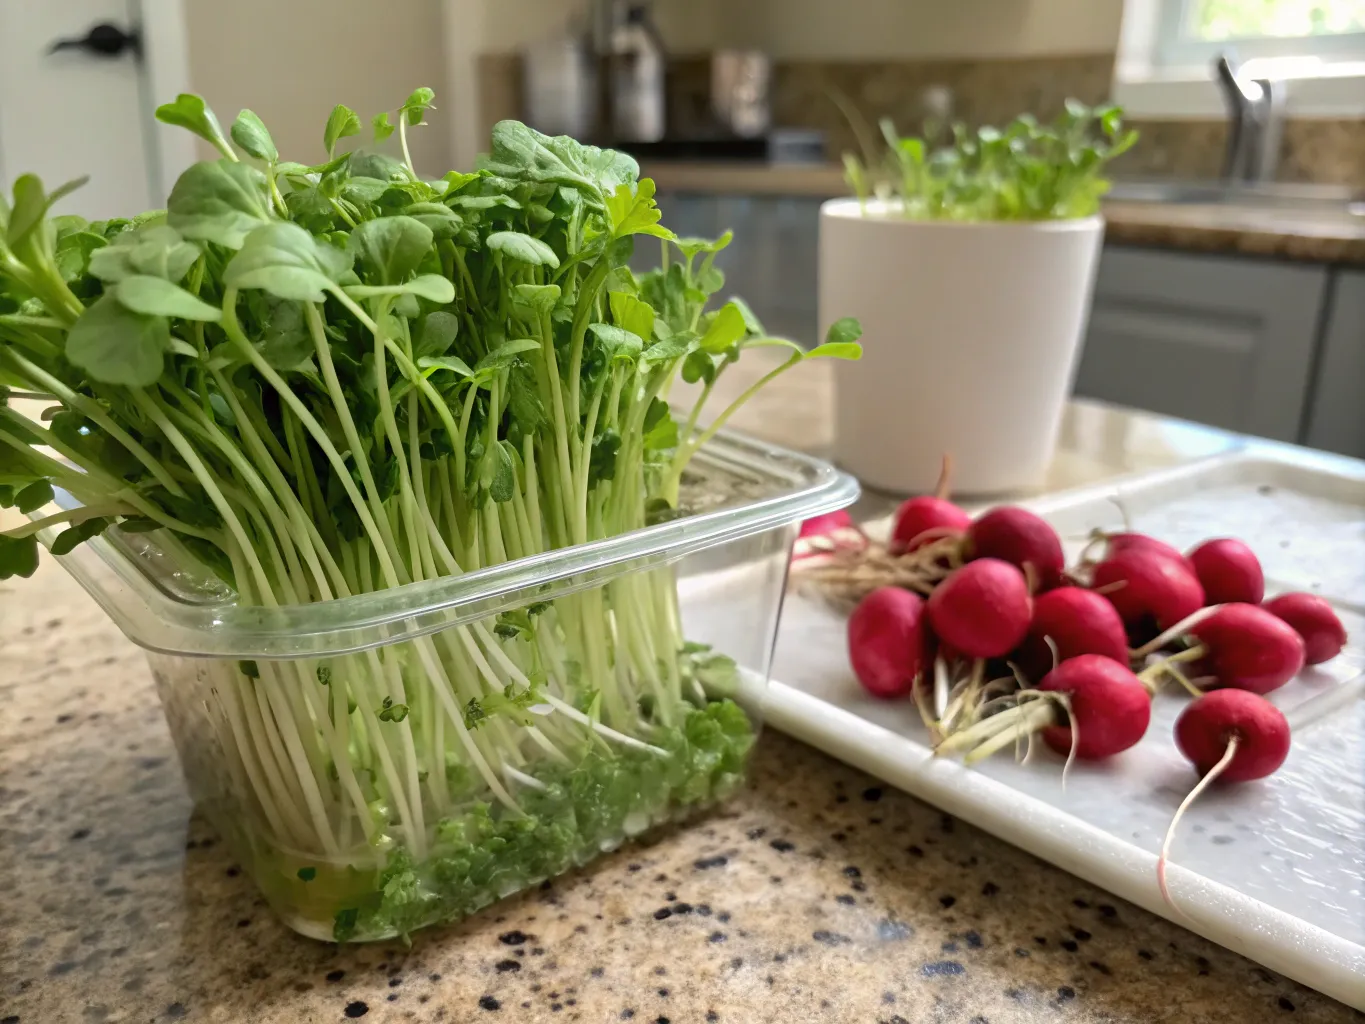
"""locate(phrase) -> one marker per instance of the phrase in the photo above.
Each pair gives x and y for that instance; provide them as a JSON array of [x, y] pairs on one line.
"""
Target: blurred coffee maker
[[636, 65], [739, 92]]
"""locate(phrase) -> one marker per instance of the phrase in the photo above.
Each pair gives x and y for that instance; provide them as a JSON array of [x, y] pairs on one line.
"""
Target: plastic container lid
[[735, 487]]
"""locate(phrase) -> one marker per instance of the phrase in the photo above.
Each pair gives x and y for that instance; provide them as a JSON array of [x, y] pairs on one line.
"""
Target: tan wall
[[291, 61], [872, 29], [687, 26], [881, 29]]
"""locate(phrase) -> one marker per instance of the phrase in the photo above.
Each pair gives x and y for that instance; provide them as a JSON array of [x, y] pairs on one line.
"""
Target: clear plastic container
[[386, 761]]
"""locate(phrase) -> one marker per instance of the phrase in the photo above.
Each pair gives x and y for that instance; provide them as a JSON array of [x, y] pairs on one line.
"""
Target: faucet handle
[[1225, 73], [1240, 92]]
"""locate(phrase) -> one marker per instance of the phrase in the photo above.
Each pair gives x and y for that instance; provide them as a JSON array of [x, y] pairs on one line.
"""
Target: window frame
[[1174, 48]]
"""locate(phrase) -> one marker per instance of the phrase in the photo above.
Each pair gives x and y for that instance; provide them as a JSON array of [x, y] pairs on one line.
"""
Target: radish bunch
[[996, 640]]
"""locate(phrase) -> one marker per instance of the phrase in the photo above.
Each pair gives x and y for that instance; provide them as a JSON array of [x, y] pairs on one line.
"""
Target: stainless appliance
[[740, 82], [636, 61], [559, 81]]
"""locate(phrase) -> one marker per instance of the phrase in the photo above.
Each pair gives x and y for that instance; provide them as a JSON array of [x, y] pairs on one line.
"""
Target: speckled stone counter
[[815, 895]]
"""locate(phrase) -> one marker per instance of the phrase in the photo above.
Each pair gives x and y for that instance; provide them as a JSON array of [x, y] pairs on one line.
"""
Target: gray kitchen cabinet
[[772, 262], [1220, 340], [1336, 421]]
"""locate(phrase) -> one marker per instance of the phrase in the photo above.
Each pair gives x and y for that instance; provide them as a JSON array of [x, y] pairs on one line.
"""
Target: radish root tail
[[1193, 795]]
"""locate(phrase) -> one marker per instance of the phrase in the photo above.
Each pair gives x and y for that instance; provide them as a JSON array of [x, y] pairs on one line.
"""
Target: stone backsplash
[[983, 91], [1319, 151], [1322, 151]]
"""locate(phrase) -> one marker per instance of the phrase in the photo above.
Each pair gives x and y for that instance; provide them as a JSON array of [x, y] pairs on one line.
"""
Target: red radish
[[1313, 619], [1248, 648], [1231, 735], [1077, 621], [886, 638], [819, 526], [1204, 728], [924, 519], [829, 534], [983, 609], [1153, 587], [1119, 543], [1099, 708], [1228, 571], [1017, 536], [1108, 703]]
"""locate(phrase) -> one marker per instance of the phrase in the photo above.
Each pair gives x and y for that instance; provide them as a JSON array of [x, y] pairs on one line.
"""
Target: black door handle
[[103, 40]]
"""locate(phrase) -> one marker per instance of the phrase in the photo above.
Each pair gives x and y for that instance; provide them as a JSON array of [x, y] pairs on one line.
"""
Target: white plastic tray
[[1274, 870]]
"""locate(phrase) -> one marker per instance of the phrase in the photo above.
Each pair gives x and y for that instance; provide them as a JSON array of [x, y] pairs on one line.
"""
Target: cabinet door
[[1336, 417], [772, 262], [1218, 340]]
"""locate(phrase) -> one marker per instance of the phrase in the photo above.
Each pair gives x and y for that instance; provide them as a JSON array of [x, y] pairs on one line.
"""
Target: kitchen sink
[[1314, 199]]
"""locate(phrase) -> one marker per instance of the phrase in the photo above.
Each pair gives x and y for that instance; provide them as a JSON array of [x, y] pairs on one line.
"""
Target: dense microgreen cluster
[[320, 380], [1027, 171]]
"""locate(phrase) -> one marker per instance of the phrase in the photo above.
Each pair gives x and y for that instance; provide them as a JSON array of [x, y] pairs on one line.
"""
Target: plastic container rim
[[157, 621]]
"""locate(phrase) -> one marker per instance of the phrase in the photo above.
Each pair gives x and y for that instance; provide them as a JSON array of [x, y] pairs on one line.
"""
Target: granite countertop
[[1298, 233], [814, 895]]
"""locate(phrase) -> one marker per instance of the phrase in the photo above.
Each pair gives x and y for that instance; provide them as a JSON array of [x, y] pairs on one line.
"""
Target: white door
[[77, 111]]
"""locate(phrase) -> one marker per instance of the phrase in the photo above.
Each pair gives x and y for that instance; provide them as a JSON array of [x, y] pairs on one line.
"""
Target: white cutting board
[[1274, 869]]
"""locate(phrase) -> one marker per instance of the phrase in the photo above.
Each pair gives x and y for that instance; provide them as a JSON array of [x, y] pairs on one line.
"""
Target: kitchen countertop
[[1288, 232], [815, 895]]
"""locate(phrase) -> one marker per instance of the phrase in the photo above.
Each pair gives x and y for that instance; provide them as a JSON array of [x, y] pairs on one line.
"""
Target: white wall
[[291, 61], [687, 26], [882, 29]]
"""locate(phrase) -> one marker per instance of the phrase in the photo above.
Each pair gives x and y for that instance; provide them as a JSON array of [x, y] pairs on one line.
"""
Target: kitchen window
[[1168, 47], [1294, 34]]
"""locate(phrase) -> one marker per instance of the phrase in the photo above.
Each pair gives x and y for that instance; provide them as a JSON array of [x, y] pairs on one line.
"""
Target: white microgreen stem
[[1203, 784]]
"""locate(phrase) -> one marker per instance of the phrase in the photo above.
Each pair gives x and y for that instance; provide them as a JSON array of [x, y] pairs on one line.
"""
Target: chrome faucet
[[1255, 122]]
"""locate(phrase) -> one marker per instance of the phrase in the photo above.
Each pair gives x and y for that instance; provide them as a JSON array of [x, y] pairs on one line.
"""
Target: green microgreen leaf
[[251, 134], [725, 330], [843, 331], [156, 296], [115, 345], [456, 365], [33, 497], [417, 104], [218, 201], [285, 260], [191, 112], [506, 353], [391, 247], [342, 123], [632, 211], [524, 248]]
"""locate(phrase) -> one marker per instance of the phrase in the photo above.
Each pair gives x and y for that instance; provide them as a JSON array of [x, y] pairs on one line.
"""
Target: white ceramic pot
[[971, 337]]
